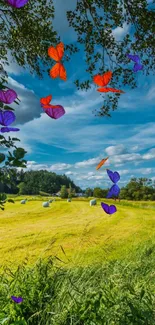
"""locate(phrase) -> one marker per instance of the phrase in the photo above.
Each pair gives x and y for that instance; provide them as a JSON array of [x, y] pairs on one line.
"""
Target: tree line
[[35, 182], [138, 189], [43, 182]]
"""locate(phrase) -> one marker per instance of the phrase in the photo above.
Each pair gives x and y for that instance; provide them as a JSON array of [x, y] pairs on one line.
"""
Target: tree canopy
[[27, 33]]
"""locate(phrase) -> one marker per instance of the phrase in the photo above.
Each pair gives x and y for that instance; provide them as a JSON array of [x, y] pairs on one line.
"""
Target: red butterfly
[[58, 70], [45, 102], [53, 111], [103, 81]]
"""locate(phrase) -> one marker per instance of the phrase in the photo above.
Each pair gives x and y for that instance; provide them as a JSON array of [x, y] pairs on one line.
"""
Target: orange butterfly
[[103, 81], [101, 163], [56, 53], [45, 102]]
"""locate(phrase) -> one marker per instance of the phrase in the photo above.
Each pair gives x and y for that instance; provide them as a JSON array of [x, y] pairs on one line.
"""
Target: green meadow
[[86, 234], [74, 265]]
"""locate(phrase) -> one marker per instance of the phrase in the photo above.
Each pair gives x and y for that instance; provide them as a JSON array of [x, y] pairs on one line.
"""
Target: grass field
[[108, 280], [87, 234]]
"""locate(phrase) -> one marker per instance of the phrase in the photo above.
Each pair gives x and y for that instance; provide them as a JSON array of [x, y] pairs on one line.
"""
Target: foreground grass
[[87, 234], [112, 293]]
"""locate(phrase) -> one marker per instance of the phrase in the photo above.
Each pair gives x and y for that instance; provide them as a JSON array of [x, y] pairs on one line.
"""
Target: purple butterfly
[[55, 112], [8, 96], [136, 59], [114, 191], [7, 118], [18, 300], [109, 209], [114, 176], [17, 3]]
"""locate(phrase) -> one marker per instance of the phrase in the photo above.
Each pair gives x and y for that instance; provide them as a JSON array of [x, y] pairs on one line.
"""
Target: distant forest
[[138, 189], [36, 182], [45, 182]]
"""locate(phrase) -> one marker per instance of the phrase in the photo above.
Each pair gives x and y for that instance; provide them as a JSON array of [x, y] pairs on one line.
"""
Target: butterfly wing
[[2, 96], [102, 80], [55, 113], [10, 96], [18, 300], [45, 100], [105, 207], [134, 58], [8, 129], [115, 177], [60, 50], [101, 163], [137, 67], [17, 3], [114, 191], [112, 209], [62, 72], [58, 71], [7, 118], [56, 53], [113, 90]]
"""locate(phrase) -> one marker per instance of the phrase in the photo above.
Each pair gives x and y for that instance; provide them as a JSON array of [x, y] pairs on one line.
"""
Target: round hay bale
[[45, 204], [50, 201], [23, 201], [92, 202], [68, 200]]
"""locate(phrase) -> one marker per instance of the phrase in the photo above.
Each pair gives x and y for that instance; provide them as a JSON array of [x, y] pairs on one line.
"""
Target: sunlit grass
[[86, 233]]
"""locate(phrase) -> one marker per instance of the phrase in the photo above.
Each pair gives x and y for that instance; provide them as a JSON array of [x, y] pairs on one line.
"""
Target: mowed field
[[86, 233]]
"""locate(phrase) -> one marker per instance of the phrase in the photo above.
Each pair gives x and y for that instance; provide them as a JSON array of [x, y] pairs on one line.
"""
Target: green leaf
[[3, 197], [6, 107], [15, 139], [16, 102], [2, 157], [19, 153]]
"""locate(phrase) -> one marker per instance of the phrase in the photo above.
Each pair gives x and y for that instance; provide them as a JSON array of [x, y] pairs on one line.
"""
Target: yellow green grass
[[86, 233]]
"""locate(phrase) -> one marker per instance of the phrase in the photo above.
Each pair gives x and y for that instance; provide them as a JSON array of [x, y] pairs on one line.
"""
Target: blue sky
[[75, 143]]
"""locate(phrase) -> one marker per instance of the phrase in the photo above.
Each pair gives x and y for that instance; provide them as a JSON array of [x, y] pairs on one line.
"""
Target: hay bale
[[23, 201], [45, 204], [50, 201], [68, 200], [92, 202]]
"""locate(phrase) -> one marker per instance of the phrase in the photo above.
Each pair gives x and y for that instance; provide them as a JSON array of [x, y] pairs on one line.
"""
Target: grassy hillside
[[86, 233]]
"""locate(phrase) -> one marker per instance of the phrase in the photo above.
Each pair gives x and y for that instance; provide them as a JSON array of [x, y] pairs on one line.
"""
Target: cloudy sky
[[75, 143]]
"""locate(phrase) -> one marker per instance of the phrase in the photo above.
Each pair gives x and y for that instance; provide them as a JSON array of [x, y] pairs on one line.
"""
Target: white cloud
[[29, 106], [119, 32], [150, 155], [116, 150], [87, 163], [13, 67], [59, 166], [151, 93]]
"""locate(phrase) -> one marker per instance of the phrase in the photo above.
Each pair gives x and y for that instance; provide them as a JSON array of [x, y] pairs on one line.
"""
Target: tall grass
[[112, 293]]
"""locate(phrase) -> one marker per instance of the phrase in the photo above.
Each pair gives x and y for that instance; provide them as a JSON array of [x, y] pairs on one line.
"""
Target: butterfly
[[109, 209], [8, 96], [114, 176], [101, 163], [56, 53], [114, 191], [17, 3], [7, 118], [18, 300], [103, 81], [53, 111], [136, 59]]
